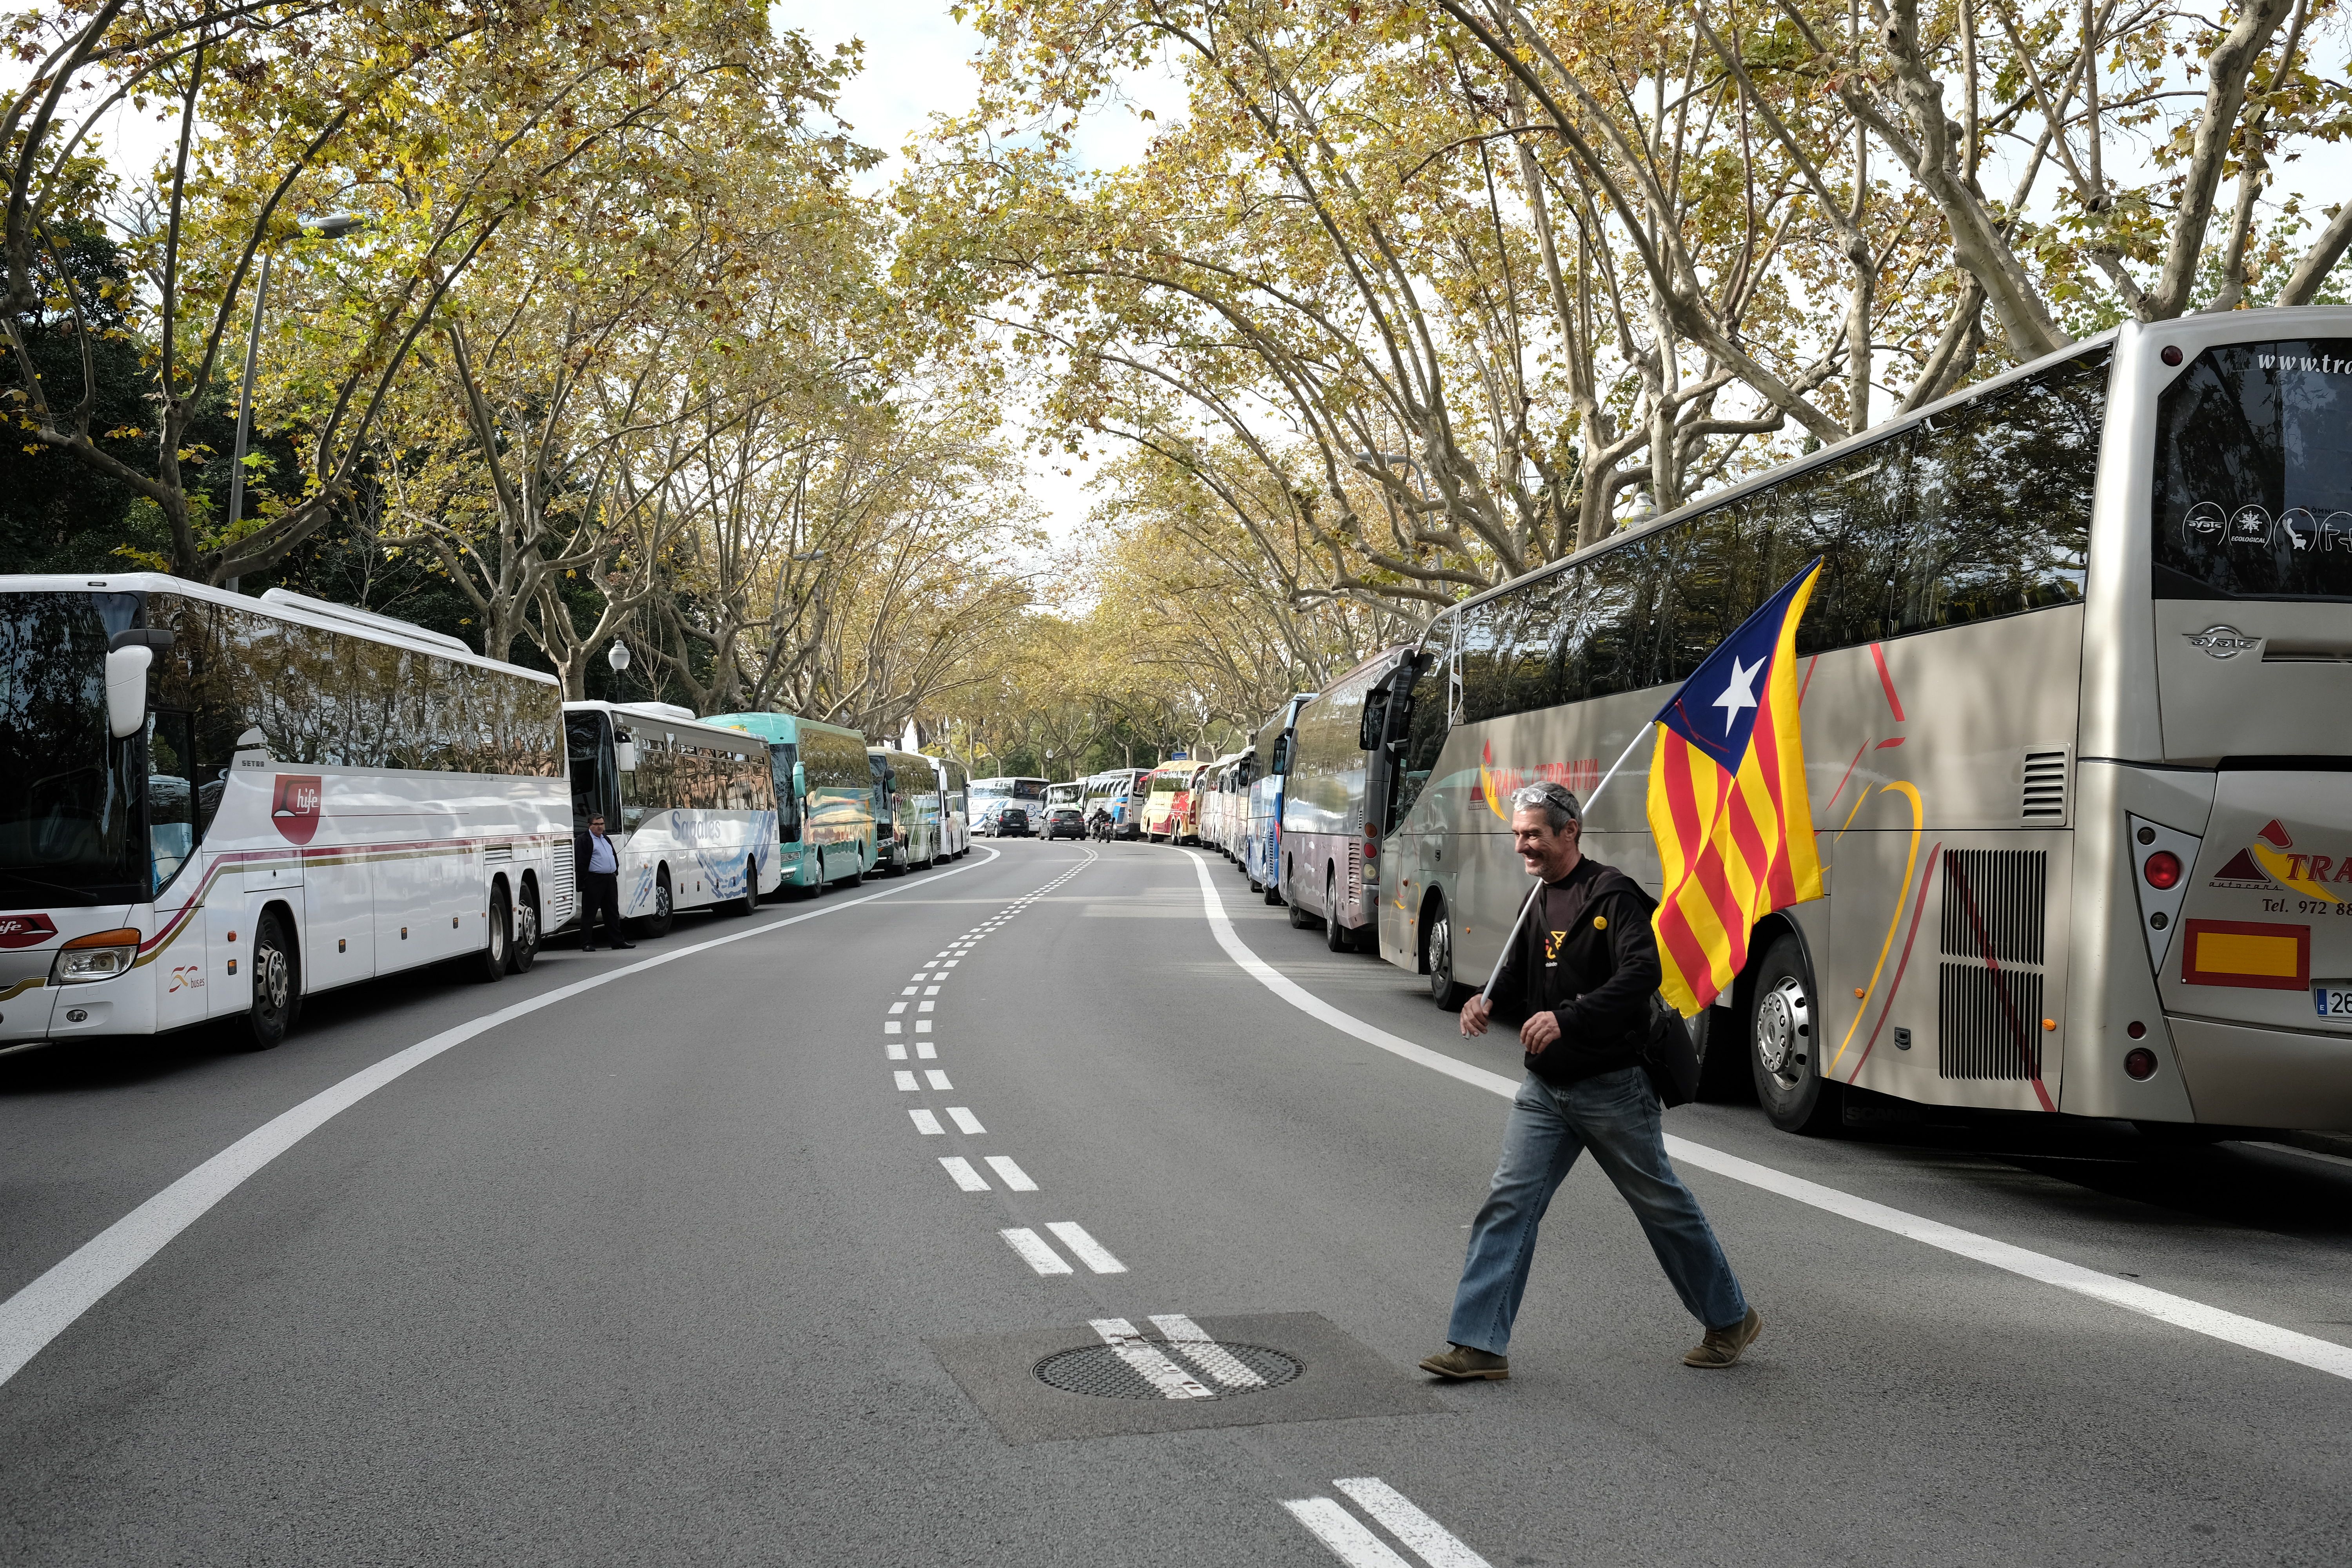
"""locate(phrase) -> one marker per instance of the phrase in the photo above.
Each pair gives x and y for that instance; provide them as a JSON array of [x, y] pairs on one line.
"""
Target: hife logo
[[25, 931], [295, 812]]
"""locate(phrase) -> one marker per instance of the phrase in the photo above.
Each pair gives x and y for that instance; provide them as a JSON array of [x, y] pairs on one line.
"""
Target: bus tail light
[[101, 955], [1371, 842], [2139, 1064], [2162, 869]]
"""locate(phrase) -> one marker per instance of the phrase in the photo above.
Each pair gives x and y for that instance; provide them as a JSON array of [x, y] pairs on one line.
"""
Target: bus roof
[[784, 728], [344, 620], [645, 713]]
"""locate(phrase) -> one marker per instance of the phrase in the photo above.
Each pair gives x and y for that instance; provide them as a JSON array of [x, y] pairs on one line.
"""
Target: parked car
[[1066, 822], [1013, 822]]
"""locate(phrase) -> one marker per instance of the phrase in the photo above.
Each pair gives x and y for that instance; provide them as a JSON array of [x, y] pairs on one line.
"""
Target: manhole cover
[[1149, 1368]]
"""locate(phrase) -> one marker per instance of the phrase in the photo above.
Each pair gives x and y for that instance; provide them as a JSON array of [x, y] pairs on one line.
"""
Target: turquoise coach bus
[[824, 797]]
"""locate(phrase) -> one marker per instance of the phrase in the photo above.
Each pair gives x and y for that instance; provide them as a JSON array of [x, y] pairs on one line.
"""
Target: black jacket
[[580, 853], [1586, 954]]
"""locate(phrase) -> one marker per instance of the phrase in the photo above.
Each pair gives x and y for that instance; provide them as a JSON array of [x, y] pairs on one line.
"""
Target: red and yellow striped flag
[[1728, 801]]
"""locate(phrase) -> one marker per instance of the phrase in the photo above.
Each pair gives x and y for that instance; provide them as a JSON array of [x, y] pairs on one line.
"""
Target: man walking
[[600, 886], [1584, 967]]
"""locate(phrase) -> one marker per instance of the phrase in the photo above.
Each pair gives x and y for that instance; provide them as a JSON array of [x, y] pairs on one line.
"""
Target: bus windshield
[[2254, 476], [66, 818]]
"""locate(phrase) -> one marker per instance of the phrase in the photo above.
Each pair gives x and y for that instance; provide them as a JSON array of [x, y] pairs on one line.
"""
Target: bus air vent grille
[[564, 892], [2043, 801], [1988, 1001]]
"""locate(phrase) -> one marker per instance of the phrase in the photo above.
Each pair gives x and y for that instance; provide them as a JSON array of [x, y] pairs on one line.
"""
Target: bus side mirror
[[126, 689], [624, 756]]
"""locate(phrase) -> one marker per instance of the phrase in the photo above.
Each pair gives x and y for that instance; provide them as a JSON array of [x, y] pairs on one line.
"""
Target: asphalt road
[[669, 1270]]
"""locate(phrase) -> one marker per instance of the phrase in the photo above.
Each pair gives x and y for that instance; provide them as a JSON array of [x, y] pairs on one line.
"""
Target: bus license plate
[[2333, 999]]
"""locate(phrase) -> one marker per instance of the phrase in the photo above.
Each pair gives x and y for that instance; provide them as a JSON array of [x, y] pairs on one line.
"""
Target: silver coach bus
[[1325, 819], [2072, 676], [1262, 843]]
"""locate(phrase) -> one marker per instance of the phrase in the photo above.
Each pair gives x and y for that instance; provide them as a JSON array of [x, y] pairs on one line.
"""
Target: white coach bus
[[212, 806], [691, 808], [2074, 677], [1325, 846]]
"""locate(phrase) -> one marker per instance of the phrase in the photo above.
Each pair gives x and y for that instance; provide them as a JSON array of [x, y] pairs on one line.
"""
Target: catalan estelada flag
[[1728, 801]]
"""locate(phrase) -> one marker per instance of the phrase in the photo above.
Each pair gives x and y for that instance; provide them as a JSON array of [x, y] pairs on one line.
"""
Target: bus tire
[[1337, 938], [1437, 936], [749, 902], [277, 984], [522, 951], [1299, 919], [497, 941], [665, 915], [1784, 1044]]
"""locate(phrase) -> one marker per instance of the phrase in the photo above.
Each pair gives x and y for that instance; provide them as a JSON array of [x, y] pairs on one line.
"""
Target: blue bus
[[1262, 853], [824, 797]]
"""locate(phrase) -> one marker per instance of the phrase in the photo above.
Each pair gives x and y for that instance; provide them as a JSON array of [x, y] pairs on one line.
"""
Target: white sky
[[918, 65]]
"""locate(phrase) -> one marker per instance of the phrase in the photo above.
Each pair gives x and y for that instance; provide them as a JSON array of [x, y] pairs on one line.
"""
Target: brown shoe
[[1722, 1346], [1460, 1363]]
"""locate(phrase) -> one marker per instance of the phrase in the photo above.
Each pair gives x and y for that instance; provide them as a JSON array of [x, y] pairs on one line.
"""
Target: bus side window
[[171, 793]]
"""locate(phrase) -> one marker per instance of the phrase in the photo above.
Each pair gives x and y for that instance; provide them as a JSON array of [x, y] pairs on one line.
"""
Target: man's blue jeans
[[1616, 1115]]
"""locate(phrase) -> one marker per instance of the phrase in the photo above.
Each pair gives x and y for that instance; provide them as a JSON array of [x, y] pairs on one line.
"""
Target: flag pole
[[1512, 941]]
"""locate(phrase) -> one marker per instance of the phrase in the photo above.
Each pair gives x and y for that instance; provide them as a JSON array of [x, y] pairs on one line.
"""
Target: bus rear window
[[2254, 474]]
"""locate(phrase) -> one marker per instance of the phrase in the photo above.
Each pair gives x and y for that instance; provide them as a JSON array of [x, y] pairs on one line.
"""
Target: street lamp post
[[325, 228]]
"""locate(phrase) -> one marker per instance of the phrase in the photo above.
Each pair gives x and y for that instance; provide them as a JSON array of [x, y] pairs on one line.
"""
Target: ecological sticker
[[2249, 525]]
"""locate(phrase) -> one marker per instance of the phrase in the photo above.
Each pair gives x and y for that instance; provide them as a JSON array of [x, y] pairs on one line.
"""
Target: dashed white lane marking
[[926, 1123], [1084, 1248], [926, 1051], [922, 1025], [905, 1081], [967, 1178], [965, 1121], [1437, 1546], [895, 1049], [1350, 1541], [909, 991], [1035, 1252], [931, 990], [1173, 1381], [925, 1006], [950, 963], [893, 1027], [46, 1308], [2231, 1328], [1010, 1175], [1195, 1346], [936, 1078], [897, 1007]]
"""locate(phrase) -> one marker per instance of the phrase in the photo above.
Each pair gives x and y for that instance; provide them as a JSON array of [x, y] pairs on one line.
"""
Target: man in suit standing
[[600, 886]]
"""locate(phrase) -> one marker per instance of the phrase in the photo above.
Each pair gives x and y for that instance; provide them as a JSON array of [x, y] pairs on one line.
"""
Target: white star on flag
[[1739, 692]]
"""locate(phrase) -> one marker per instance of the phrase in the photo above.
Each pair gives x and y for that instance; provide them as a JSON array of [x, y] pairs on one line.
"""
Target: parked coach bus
[[825, 798], [1262, 847], [1218, 795], [2072, 680], [906, 808], [955, 807], [1329, 834], [690, 807], [1109, 803], [212, 806], [1164, 791]]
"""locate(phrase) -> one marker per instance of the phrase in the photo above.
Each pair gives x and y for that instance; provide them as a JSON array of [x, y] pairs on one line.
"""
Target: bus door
[[1411, 859]]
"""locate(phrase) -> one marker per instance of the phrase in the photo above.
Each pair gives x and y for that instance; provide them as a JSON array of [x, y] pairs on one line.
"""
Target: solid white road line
[[905, 1081], [2322, 1158], [1084, 1248], [1173, 1381], [1438, 1546], [925, 1122], [44, 1308], [893, 1051], [1010, 1175], [1186, 1338], [1035, 1252], [936, 1078], [967, 1178], [964, 1120], [2232, 1328], [1345, 1534]]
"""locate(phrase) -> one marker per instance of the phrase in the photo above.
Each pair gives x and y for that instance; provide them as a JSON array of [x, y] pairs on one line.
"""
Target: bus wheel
[[665, 910], [1440, 935], [749, 901], [523, 950], [490, 963], [1299, 919], [1336, 937], [1783, 1033], [277, 984]]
